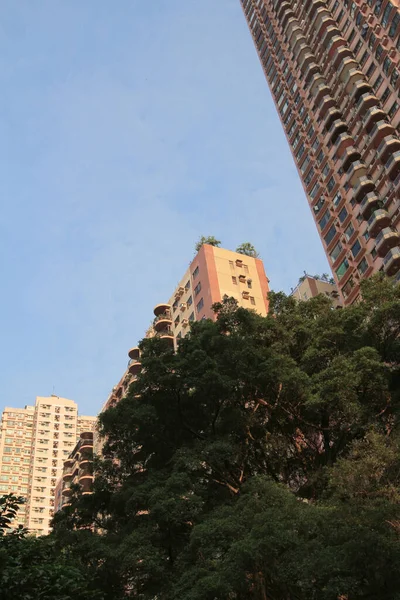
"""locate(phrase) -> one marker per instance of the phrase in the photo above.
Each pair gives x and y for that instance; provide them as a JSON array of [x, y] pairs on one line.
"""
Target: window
[[386, 14], [314, 190], [337, 198], [191, 317], [234, 280], [195, 272], [387, 63], [197, 289], [394, 24], [342, 215], [330, 235], [341, 270], [378, 83], [355, 249], [325, 219], [393, 110], [371, 69], [363, 266], [336, 251], [7, 450], [331, 184], [200, 305], [189, 301], [252, 300], [177, 321], [349, 231], [385, 95], [364, 58], [187, 286], [394, 77], [232, 266]]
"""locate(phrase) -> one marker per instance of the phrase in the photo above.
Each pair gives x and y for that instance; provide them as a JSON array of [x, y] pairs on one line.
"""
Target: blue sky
[[127, 130]]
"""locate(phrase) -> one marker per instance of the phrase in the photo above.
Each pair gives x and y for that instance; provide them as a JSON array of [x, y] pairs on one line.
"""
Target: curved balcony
[[393, 165], [366, 101], [349, 156], [388, 146], [161, 308], [306, 59], [378, 220], [340, 54], [337, 42], [85, 474], [337, 127], [284, 6], [66, 491], [372, 116], [134, 366], [344, 69], [302, 52], [353, 76], [320, 91], [163, 321], [134, 353], [363, 186], [381, 130], [391, 262], [326, 103], [357, 170], [86, 435], [330, 32], [361, 87], [311, 69], [323, 21], [166, 335], [344, 141], [67, 474], [387, 239], [316, 80], [333, 114]]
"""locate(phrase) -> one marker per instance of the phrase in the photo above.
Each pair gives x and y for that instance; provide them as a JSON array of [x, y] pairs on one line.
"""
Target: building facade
[[77, 470], [34, 443], [333, 71], [310, 286], [212, 274], [16, 433]]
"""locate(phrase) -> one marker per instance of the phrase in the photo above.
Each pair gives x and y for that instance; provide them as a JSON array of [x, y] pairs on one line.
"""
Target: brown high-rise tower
[[332, 68]]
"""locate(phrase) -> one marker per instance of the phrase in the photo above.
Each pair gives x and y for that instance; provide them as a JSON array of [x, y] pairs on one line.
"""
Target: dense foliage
[[247, 249], [210, 240], [261, 461]]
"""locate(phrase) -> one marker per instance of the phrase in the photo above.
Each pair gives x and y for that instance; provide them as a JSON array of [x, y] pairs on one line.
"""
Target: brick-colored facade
[[333, 71]]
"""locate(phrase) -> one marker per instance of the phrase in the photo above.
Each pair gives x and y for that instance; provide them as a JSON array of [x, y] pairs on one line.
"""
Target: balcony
[[372, 116], [349, 156], [364, 186], [353, 76], [332, 115], [378, 220], [161, 308], [284, 6], [134, 366], [366, 101], [302, 52], [306, 59], [320, 91], [345, 68], [67, 474], [311, 69], [293, 25], [330, 32], [381, 130], [337, 128], [341, 52], [163, 321], [134, 353], [326, 103], [167, 335], [344, 141], [315, 81], [337, 42], [391, 262], [368, 205], [357, 170], [388, 238], [388, 145], [393, 165], [323, 21], [361, 87]]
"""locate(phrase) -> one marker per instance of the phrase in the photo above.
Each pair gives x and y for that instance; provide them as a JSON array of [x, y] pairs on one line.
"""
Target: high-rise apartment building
[[212, 274], [16, 432], [34, 443], [333, 71]]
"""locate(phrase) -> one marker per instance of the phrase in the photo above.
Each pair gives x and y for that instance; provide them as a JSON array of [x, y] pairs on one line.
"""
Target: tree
[[211, 240], [247, 249], [258, 461], [9, 506]]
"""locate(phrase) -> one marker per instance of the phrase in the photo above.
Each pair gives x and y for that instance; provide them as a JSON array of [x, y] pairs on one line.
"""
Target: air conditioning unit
[[183, 306], [185, 322]]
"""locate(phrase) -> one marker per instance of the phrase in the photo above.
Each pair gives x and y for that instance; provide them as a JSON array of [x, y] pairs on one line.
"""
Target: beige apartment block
[[34, 442], [16, 433], [333, 72], [310, 287]]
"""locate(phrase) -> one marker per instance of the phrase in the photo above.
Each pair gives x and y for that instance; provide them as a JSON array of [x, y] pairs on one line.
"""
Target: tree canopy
[[211, 240], [260, 461], [247, 249]]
